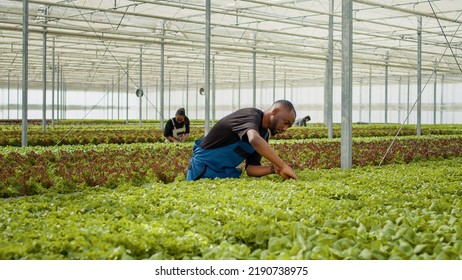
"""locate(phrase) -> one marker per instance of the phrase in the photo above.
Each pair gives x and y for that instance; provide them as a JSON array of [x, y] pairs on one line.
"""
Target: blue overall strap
[[219, 162], [266, 137]]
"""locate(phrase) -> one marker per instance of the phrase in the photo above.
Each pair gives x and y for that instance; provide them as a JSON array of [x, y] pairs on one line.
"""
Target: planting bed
[[391, 212], [130, 201]]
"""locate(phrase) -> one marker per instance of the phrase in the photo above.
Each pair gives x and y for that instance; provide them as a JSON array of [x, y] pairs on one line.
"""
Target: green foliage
[[64, 169], [96, 132], [130, 201], [32, 170], [317, 131], [391, 212]]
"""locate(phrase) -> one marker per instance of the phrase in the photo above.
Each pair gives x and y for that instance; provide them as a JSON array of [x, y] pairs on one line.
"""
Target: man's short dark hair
[[287, 104], [308, 118]]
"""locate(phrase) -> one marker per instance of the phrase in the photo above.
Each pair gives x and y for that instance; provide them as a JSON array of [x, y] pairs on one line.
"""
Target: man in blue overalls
[[243, 135]]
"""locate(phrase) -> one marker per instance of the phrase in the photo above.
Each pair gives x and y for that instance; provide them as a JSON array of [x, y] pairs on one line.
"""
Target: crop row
[[32, 170], [82, 136], [85, 122], [151, 133], [392, 212]]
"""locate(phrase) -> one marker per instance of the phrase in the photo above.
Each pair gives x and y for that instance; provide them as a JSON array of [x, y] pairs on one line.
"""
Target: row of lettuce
[[406, 212], [66, 169], [152, 133]]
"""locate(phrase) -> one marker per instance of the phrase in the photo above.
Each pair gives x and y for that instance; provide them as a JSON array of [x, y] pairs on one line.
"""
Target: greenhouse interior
[[88, 171], [87, 59]]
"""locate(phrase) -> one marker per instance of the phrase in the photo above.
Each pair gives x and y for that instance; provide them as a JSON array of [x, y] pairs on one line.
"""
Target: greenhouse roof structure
[[96, 41]]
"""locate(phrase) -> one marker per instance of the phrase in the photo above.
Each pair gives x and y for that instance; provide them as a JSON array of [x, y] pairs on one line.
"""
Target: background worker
[[177, 128], [302, 122]]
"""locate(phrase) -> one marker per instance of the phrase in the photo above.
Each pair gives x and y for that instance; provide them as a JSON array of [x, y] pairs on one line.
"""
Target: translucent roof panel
[[96, 41]]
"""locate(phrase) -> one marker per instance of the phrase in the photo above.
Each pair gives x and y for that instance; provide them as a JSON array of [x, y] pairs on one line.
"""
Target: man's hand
[[265, 150], [286, 172]]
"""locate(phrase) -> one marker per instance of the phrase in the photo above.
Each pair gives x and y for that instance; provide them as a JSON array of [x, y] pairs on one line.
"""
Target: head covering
[[307, 118], [181, 112]]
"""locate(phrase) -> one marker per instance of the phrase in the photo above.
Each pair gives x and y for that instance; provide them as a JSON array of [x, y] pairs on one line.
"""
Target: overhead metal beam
[[381, 4], [281, 24]]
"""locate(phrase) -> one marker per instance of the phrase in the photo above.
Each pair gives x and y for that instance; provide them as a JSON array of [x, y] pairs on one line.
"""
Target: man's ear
[[275, 111]]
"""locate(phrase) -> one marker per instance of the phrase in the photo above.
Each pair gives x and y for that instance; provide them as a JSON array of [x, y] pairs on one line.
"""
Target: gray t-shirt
[[234, 127]]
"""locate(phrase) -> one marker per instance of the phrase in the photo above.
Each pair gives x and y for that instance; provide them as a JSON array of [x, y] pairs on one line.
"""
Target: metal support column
[[107, 100], [8, 98], [157, 99], [408, 97], [442, 99], [386, 89], [141, 86], [25, 69], [434, 95], [146, 96], [207, 66], [347, 83], [118, 94], [197, 101], [239, 91], [419, 76], [360, 100], [254, 71], [187, 89], [169, 94], [214, 97], [329, 77], [112, 97], [64, 96], [58, 90], [162, 77], [370, 95], [127, 89], [17, 97], [62, 93], [274, 80], [53, 68], [399, 100], [44, 73]]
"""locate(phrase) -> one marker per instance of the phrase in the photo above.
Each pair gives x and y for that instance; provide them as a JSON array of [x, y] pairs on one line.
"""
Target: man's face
[[281, 120]]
